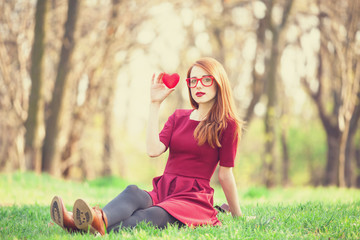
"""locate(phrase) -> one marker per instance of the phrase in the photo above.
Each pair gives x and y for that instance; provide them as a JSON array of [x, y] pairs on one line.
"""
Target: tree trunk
[[258, 78], [270, 115], [109, 95], [342, 154], [285, 157], [108, 120], [350, 148], [51, 151], [349, 173], [271, 92], [357, 160], [36, 104], [77, 127], [332, 164]]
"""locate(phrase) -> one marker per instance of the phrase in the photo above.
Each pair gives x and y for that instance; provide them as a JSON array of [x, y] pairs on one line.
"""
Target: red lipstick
[[200, 94]]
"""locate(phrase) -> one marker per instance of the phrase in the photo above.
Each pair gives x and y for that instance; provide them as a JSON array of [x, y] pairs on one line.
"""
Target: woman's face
[[202, 94]]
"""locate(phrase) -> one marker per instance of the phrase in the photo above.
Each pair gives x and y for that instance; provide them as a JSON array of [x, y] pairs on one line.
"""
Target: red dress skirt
[[189, 200]]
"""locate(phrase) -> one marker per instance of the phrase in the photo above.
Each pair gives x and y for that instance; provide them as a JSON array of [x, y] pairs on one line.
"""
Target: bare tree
[[36, 102], [16, 37], [109, 92], [258, 78], [350, 75], [344, 88], [271, 89], [51, 153]]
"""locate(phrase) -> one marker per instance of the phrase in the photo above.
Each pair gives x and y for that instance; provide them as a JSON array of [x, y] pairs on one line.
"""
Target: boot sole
[[57, 211], [83, 216]]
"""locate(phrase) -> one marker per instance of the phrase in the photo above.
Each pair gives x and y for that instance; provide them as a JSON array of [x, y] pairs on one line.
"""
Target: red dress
[[184, 189]]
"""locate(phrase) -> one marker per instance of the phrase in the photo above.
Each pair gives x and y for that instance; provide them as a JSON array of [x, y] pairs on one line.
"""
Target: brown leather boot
[[61, 216], [87, 218]]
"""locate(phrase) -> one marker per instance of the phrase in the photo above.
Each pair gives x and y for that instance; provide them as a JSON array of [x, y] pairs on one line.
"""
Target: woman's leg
[[155, 215], [125, 204]]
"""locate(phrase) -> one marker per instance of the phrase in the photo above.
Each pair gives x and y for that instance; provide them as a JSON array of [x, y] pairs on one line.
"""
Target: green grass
[[294, 213]]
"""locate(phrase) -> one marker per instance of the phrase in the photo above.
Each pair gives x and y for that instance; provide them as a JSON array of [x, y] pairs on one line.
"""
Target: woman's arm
[[158, 93], [154, 146], [228, 185]]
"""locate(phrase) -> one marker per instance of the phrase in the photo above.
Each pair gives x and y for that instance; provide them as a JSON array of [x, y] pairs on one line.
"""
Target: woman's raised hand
[[158, 90]]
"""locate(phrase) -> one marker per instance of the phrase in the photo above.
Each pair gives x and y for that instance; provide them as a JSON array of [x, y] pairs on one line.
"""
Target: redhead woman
[[198, 140]]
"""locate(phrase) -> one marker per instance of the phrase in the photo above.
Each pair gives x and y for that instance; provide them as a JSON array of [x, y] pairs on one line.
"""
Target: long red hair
[[222, 111]]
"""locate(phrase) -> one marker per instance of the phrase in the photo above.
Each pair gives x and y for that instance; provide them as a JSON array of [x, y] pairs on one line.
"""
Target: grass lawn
[[293, 213]]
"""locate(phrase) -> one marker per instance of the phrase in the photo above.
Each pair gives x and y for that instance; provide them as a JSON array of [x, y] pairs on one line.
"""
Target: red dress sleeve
[[166, 132], [229, 144]]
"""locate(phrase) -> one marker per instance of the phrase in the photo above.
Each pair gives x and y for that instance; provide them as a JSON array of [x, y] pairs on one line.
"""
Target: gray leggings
[[133, 206]]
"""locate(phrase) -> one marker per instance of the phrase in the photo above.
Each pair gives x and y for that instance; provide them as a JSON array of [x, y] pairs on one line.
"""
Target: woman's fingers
[[153, 78], [159, 78]]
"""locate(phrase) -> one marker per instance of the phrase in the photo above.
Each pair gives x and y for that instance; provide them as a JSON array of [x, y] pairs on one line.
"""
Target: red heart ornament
[[170, 80]]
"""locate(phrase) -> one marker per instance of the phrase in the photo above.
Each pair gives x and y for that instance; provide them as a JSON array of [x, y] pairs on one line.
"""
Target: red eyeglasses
[[206, 81]]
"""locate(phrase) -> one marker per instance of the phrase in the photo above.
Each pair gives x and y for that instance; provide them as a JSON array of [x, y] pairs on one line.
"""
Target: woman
[[198, 140]]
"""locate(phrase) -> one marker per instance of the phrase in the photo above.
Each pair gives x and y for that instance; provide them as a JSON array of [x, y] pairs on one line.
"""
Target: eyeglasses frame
[[200, 80]]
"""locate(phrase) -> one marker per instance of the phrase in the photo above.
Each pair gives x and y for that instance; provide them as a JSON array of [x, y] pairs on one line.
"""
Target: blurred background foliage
[[74, 84]]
